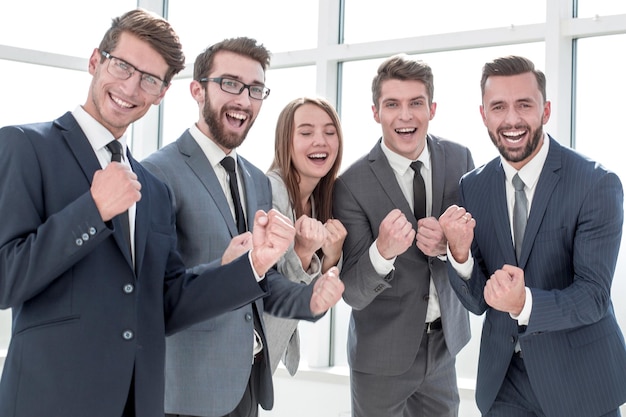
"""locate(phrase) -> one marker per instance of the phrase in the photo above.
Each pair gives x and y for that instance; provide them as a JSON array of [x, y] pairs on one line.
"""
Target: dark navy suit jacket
[[83, 319], [573, 348]]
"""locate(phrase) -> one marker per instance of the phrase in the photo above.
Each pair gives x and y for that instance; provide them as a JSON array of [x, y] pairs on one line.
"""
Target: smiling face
[[404, 114], [315, 143], [514, 113], [226, 118], [116, 103]]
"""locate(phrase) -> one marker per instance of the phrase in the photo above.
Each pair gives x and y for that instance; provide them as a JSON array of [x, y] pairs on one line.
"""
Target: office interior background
[[332, 48]]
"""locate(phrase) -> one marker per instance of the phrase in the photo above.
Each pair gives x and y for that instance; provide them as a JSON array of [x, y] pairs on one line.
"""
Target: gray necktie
[[520, 214]]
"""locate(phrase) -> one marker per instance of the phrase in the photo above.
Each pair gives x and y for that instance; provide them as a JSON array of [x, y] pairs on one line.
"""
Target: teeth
[[238, 116], [405, 130], [121, 102], [513, 134], [318, 155]]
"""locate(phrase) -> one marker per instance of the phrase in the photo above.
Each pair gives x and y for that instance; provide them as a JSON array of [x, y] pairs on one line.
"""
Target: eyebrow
[[307, 124], [238, 78]]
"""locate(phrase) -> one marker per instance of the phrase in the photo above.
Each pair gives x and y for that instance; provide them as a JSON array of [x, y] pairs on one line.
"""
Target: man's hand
[[327, 291], [506, 290], [458, 227], [114, 189], [271, 236], [395, 235], [430, 238], [237, 247]]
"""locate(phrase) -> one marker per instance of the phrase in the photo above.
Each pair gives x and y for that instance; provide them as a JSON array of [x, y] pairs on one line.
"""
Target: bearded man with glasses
[[221, 367]]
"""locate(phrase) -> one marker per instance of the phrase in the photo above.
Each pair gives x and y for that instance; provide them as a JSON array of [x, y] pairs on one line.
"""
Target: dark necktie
[[116, 156], [520, 214], [229, 164], [419, 191]]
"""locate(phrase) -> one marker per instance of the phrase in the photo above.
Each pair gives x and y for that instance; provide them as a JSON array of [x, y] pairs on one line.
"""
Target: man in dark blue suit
[[550, 344], [91, 305]]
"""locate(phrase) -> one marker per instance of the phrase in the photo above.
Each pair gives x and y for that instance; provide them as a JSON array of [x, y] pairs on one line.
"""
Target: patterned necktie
[[116, 156], [520, 214], [229, 164]]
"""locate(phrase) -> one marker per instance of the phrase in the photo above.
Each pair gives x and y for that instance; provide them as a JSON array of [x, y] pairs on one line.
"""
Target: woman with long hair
[[308, 150]]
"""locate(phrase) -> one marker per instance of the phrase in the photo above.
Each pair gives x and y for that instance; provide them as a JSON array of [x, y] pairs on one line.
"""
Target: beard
[[521, 154], [219, 133]]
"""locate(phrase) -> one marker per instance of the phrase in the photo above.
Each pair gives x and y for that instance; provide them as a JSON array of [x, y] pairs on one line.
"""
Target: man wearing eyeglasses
[[92, 304], [221, 367]]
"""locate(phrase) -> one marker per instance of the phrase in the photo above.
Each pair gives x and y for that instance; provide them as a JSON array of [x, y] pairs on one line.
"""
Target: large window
[[367, 21], [281, 25], [41, 93], [43, 60], [68, 27]]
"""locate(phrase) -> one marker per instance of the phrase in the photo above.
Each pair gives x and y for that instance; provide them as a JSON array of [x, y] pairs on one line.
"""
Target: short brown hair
[[247, 47], [512, 65], [403, 67], [283, 162], [150, 28]]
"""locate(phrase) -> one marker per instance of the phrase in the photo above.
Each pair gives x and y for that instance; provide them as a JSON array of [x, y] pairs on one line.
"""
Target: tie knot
[[228, 163], [416, 166], [518, 184], [115, 147]]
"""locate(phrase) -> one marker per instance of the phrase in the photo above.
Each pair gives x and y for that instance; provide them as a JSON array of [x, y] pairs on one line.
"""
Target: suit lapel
[[201, 167], [545, 188], [142, 216], [438, 167], [249, 192], [502, 225], [79, 145], [389, 184]]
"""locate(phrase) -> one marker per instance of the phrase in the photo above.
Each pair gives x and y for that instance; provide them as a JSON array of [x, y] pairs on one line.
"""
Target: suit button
[[92, 231], [85, 236], [129, 288], [128, 335], [426, 297], [248, 316], [513, 339], [79, 242]]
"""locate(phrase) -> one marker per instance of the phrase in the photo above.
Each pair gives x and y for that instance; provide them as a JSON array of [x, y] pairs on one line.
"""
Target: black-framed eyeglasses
[[256, 91], [122, 70]]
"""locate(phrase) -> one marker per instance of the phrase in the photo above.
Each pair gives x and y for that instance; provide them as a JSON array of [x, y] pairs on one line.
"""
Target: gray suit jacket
[[282, 334], [573, 349], [208, 365], [388, 313]]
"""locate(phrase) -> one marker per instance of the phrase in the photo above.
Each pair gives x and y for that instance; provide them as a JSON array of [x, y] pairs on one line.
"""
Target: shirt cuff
[[464, 270], [524, 317], [256, 276], [381, 265]]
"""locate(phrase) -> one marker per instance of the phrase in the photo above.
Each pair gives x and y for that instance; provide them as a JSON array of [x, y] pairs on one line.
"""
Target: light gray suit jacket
[[388, 313], [208, 365], [282, 334]]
